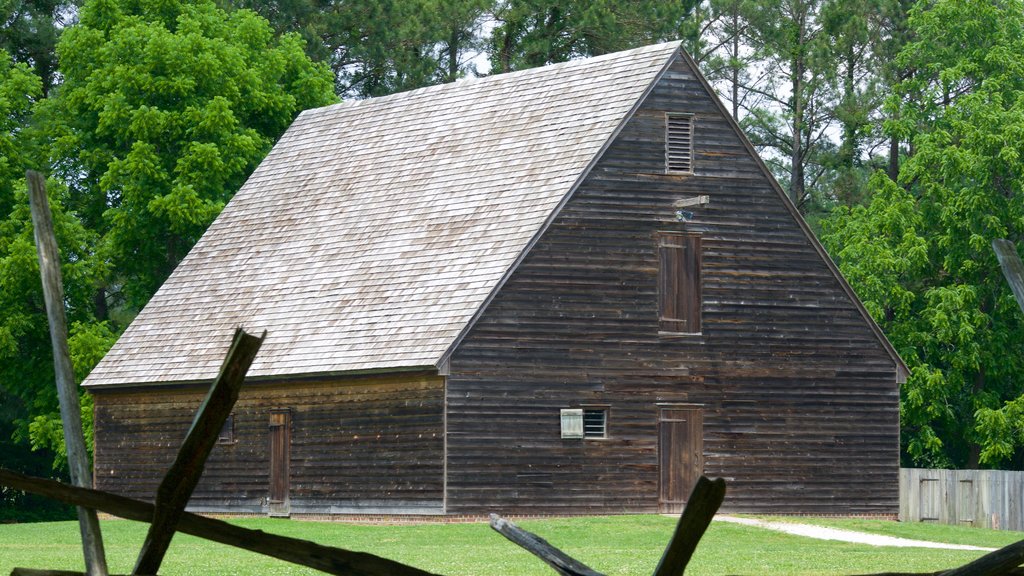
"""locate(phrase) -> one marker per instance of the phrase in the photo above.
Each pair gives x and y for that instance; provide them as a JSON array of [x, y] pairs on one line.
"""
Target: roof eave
[[263, 379]]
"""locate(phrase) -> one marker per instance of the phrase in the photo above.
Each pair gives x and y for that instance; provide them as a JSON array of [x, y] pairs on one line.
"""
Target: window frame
[[603, 411], [227, 431]]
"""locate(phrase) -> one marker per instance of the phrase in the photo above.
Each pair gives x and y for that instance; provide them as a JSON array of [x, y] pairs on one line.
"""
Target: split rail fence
[[981, 498]]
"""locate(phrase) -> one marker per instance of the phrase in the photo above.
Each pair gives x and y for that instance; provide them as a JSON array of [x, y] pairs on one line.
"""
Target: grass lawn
[[615, 545]]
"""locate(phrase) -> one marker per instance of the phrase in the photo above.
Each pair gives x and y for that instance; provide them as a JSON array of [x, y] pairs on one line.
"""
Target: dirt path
[[823, 533]]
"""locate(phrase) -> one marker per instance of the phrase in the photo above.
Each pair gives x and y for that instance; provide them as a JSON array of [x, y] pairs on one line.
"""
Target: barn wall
[[799, 398], [366, 445]]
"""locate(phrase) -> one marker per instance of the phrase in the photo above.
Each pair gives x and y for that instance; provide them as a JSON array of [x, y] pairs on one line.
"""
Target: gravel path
[[823, 533]]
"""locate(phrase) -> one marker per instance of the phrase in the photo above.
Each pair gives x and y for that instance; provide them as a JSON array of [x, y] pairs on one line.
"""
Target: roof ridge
[[469, 81]]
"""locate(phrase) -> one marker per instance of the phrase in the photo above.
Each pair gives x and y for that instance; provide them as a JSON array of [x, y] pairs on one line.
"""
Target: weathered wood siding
[[799, 397], [981, 498], [363, 445]]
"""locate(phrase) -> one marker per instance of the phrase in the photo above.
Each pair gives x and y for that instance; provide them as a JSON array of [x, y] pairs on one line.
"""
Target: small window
[[595, 423], [679, 282], [679, 143], [227, 432]]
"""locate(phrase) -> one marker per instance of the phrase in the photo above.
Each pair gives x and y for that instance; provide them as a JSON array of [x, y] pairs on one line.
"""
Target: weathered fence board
[[67, 392], [982, 498]]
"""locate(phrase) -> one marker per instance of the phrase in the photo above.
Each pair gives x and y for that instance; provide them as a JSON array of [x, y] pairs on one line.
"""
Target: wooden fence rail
[[981, 498]]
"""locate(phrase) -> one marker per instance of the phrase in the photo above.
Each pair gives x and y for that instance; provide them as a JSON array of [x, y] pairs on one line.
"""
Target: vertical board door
[[280, 452], [680, 455]]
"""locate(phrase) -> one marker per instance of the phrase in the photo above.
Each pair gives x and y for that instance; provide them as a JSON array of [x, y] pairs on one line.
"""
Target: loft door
[[280, 452], [680, 455]]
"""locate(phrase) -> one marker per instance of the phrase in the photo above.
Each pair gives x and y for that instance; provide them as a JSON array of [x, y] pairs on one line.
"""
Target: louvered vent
[[679, 143]]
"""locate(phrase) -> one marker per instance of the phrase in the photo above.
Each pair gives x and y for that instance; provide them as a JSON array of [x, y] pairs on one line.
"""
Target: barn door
[[680, 455], [280, 451]]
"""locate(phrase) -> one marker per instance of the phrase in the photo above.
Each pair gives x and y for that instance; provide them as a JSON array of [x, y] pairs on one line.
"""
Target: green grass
[[621, 545]]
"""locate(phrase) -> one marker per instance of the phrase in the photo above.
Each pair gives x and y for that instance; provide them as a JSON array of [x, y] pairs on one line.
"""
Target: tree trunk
[[974, 451], [734, 65], [894, 159], [796, 172], [453, 55], [99, 302]]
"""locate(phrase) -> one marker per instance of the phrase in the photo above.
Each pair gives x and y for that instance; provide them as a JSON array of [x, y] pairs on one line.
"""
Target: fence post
[[67, 392]]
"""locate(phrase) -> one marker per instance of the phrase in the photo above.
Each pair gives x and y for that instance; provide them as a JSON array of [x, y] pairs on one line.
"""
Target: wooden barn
[[564, 290]]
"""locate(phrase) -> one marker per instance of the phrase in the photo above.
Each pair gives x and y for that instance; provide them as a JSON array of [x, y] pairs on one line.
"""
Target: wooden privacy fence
[[982, 498]]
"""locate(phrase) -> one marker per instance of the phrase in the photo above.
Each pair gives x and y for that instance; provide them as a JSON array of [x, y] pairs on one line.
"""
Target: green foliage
[[18, 506], [29, 31], [88, 343], [951, 313], [397, 45], [165, 109], [386, 46], [19, 90], [26, 365], [533, 33]]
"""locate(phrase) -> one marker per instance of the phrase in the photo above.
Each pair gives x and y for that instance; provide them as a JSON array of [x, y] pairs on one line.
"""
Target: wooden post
[[67, 392], [1012, 267], [706, 498], [560, 561], [183, 476], [995, 563]]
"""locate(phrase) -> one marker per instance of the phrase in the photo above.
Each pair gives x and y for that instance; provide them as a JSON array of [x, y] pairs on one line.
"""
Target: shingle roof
[[374, 230]]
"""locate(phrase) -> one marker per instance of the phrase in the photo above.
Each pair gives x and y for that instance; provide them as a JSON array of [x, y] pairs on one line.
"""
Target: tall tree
[[19, 90], [865, 37], [376, 48], [533, 33], [723, 51], [26, 376], [29, 30], [920, 253], [792, 123], [398, 45], [852, 27], [165, 109]]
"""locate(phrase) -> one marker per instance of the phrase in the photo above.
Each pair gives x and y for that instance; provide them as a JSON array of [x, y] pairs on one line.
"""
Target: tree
[[717, 37], [29, 31], [21, 343], [533, 33], [793, 121], [948, 310], [26, 370], [852, 28], [398, 45], [377, 48], [19, 90], [805, 78], [165, 109]]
